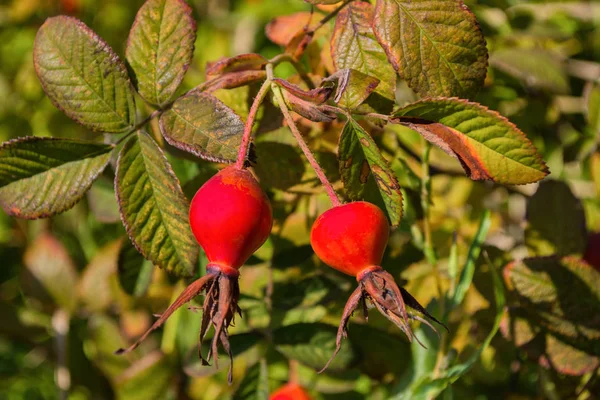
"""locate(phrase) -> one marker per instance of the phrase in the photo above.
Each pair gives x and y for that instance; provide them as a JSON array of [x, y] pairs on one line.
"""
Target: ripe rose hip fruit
[[352, 239], [290, 391], [231, 218]]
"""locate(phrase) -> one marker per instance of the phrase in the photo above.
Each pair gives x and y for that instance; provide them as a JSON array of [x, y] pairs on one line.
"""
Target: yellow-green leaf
[[488, 146]]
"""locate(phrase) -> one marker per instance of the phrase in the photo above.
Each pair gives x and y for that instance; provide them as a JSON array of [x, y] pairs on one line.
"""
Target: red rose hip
[[352, 239], [231, 218], [290, 391]]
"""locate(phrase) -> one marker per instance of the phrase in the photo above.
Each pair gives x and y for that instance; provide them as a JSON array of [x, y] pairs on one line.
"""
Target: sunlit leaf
[[153, 206], [160, 48], [204, 126], [360, 161], [48, 264], [83, 76], [436, 46], [556, 221], [353, 45], [488, 146], [242, 62], [354, 87], [41, 177]]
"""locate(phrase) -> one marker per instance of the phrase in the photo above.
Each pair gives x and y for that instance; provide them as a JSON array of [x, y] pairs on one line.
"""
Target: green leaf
[[160, 48], [488, 146], [312, 344], [556, 221], [83, 76], [354, 88], [41, 177], [354, 46], [281, 171], [255, 385], [436, 46], [135, 273], [202, 125], [360, 162], [533, 67], [466, 276], [153, 206], [49, 265], [562, 295]]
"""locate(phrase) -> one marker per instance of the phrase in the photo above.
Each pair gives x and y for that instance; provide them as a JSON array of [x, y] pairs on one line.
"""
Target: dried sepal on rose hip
[[352, 239], [231, 218]]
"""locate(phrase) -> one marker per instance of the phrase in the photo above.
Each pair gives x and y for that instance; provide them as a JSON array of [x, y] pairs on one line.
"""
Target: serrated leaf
[[568, 359], [160, 48], [280, 172], [354, 46], [46, 261], [153, 206], [41, 177], [255, 385], [560, 295], [83, 76], [564, 233], [361, 161], [312, 345], [436, 46], [488, 146], [135, 272], [202, 125], [354, 88], [537, 69]]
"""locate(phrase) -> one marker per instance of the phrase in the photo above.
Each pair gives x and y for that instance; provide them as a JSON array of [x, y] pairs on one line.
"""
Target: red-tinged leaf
[[47, 264], [436, 46], [323, 1], [563, 234], [362, 166], [561, 295], [354, 46], [83, 76], [233, 80], [281, 30], [317, 96], [160, 48], [243, 62], [567, 359], [202, 125], [488, 146], [307, 109]]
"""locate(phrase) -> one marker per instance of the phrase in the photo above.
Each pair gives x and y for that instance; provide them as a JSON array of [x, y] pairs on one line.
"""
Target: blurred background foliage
[[73, 289]]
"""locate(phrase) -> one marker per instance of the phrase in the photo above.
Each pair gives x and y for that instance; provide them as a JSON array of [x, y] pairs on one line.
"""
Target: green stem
[[328, 17], [247, 135], [305, 149]]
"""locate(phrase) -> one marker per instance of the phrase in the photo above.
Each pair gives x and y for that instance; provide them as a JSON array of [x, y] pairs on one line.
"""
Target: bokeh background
[[63, 311]]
